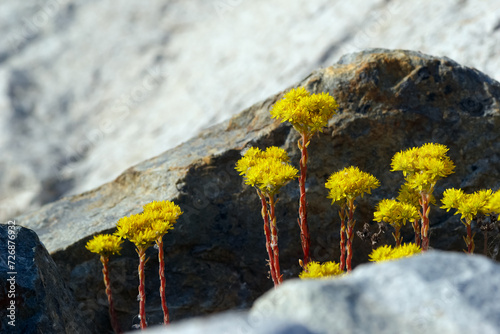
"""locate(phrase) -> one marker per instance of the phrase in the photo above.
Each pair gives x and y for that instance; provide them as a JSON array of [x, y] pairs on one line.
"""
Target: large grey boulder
[[215, 256], [88, 88], [435, 293], [33, 296]]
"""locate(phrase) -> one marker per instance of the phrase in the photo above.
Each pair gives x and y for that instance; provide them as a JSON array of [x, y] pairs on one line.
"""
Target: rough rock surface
[[389, 100], [42, 301], [88, 88], [435, 293]]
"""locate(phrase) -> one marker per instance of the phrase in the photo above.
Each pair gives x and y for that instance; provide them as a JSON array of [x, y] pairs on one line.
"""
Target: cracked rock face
[[215, 256]]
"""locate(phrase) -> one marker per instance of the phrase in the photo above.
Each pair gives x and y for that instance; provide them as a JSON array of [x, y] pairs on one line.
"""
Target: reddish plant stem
[[107, 284], [267, 233], [304, 228], [342, 215], [416, 228], [350, 235], [397, 236], [163, 281], [469, 240], [274, 239], [424, 202], [142, 292]]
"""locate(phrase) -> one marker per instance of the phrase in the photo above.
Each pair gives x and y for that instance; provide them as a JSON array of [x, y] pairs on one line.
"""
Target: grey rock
[[42, 302], [84, 96], [438, 292], [215, 256], [233, 323]]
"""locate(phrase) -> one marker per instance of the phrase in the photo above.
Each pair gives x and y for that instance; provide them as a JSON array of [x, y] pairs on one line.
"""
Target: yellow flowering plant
[[468, 206], [145, 229], [136, 229], [162, 215], [106, 245], [268, 171], [387, 253], [345, 186], [422, 167], [396, 214], [308, 113], [321, 270]]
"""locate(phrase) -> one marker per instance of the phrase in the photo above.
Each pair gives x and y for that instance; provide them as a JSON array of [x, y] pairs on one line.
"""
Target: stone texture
[[233, 323], [389, 100], [84, 96], [43, 302], [435, 293], [439, 292]]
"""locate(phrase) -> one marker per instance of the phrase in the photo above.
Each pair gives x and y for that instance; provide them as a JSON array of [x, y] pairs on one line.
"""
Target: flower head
[[307, 112], [385, 253], [468, 205], [350, 183], [494, 202], [395, 213], [423, 166], [267, 170], [105, 245], [321, 270], [137, 228], [162, 215]]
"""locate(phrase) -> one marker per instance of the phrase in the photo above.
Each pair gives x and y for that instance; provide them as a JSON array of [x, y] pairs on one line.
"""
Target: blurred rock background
[[89, 88]]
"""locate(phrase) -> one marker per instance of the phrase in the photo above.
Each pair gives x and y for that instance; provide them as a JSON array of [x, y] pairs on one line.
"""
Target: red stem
[[342, 236], [142, 291], [397, 236], [425, 221], [416, 228], [469, 240], [304, 228], [350, 235], [267, 233], [107, 284], [163, 281], [274, 239]]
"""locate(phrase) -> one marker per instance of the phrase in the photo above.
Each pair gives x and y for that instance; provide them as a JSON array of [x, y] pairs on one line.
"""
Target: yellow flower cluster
[[105, 245], [386, 252], [395, 213], [307, 112], [267, 170], [321, 270], [349, 183], [145, 228], [468, 205], [162, 215], [423, 166], [494, 203]]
